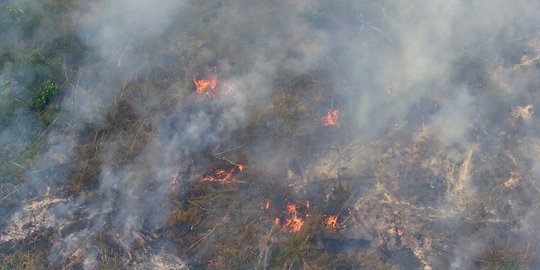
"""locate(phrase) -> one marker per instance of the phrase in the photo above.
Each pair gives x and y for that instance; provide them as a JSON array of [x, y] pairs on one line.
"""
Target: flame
[[331, 222], [240, 167], [222, 176], [400, 232], [210, 87], [267, 204], [206, 87], [293, 222], [331, 118]]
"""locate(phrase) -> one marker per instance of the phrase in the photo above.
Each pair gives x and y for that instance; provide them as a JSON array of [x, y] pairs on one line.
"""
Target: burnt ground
[[335, 136]]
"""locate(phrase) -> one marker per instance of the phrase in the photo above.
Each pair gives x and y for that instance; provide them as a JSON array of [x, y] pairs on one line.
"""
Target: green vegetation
[[44, 95]]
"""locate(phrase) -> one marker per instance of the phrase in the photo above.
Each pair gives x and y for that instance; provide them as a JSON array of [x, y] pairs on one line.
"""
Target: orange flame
[[400, 232], [210, 87], [331, 222], [267, 204], [293, 223], [222, 176], [240, 167], [206, 87], [331, 118]]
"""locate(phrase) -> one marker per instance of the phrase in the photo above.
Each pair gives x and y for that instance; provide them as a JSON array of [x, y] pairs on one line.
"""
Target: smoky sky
[[455, 69]]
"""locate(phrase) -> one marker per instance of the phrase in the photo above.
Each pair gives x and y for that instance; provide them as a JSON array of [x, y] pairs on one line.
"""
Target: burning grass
[[211, 88], [331, 118], [336, 200]]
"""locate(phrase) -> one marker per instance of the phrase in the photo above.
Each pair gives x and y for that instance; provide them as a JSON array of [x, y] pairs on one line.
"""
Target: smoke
[[395, 69]]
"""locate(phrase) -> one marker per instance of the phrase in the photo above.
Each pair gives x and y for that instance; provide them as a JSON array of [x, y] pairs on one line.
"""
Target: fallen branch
[[230, 149]]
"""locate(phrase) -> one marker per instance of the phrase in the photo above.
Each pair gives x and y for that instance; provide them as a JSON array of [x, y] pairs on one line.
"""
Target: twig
[[267, 246], [198, 205], [230, 149], [232, 163], [8, 195], [204, 237], [135, 138], [18, 165], [123, 52]]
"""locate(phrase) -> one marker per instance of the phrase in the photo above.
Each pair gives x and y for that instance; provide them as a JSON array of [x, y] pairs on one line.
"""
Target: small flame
[[400, 232], [267, 204], [331, 118], [293, 223], [210, 87], [240, 167], [221, 176], [331, 222], [206, 87]]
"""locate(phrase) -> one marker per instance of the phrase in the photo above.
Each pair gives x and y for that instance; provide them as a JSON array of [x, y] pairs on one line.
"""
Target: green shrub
[[45, 93], [37, 57]]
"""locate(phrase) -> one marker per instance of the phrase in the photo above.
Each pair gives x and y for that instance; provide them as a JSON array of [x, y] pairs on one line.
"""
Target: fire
[[331, 118], [223, 176], [210, 87], [331, 222], [400, 232], [240, 167], [293, 222], [267, 204], [206, 87]]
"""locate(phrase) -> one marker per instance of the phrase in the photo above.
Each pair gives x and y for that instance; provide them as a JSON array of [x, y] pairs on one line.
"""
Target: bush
[[45, 93]]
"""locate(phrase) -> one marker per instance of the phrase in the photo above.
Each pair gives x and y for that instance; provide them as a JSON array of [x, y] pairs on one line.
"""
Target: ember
[[400, 232], [293, 222], [331, 222], [331, 118]]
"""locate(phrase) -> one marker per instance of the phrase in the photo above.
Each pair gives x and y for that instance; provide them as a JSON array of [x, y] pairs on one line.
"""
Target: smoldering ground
[[436, 133]]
